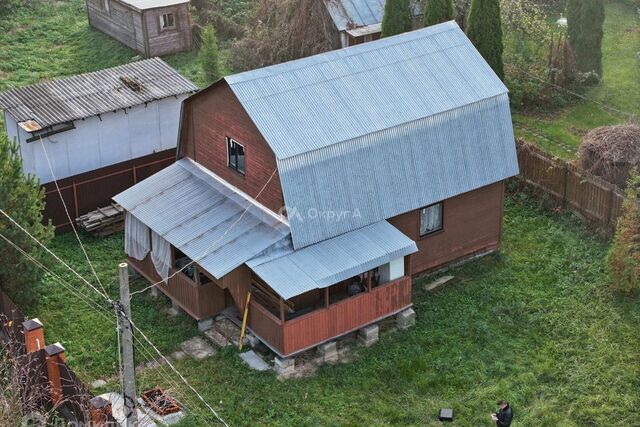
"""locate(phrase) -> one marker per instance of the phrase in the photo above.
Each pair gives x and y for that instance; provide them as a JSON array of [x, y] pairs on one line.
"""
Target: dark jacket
[[504, 417]]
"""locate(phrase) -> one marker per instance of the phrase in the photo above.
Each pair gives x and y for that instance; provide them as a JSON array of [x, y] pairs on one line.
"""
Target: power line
[[206, 252]]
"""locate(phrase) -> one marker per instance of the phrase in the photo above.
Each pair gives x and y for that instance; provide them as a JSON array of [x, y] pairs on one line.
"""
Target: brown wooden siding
[[325, 324], [209, 118], [163, 42], [199, 302], [121, 22], [472, 223], [238, 282], [87, 191]]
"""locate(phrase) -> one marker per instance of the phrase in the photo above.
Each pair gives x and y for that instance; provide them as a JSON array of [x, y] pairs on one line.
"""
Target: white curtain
[[160, 254], [136, 237]]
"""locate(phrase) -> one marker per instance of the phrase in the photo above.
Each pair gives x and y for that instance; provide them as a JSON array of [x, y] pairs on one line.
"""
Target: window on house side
[[431, 219], [235, 156], [167, 21]]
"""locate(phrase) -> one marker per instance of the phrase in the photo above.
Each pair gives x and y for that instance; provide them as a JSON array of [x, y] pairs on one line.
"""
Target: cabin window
[[431, 219], [105, 5], [167, 21], [235, 156]]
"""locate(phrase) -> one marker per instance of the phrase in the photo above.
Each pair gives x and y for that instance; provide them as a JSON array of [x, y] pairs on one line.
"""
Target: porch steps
[[226, 329]]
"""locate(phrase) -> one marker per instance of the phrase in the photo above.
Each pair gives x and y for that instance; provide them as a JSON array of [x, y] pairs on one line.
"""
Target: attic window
[[235, 156], [167, 21]]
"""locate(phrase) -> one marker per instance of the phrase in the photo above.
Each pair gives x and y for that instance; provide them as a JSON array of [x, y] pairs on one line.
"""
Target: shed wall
[[163, 42], [209, 118], [472, 223], [121, 22]]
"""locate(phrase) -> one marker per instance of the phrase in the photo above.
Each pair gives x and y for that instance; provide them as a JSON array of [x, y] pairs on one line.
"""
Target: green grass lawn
[[535, 324], [562, 132]]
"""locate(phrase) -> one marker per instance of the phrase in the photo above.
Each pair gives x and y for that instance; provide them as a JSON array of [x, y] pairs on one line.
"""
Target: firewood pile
[[103, 221]]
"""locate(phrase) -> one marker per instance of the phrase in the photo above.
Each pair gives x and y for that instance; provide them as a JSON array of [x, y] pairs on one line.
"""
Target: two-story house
[[323, 184]]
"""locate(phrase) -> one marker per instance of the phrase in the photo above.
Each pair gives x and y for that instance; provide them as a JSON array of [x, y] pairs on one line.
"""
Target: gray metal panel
[[312, 103], [85, 95], [331, 261], [387, 173], [359, 13], [198, 214]]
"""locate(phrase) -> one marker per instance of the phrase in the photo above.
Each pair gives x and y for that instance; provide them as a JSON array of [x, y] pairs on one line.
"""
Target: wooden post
[[609, 215], [75, 200], [369, 280], [54, 356], [565, 185], [124, 313], [33, 335], [100, 411], [327, 302], [281, 310]]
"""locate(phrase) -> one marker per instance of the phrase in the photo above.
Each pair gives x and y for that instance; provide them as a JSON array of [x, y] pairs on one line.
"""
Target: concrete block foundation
[[406, 319], [285, 367], [329, 351], [368, 335]]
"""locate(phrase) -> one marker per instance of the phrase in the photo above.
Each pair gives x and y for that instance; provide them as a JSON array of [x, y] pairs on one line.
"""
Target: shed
[[96, 133], [151, 27]]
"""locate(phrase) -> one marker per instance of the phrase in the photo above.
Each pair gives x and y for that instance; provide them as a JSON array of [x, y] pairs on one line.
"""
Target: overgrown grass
[[561, 132], [535, 324]]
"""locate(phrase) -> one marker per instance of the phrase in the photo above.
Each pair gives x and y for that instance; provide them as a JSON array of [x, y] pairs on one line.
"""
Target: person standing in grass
[[503, 417]]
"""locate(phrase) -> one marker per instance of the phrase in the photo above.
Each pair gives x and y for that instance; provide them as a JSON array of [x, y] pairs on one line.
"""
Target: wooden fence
[[44, 378], [595, 199]]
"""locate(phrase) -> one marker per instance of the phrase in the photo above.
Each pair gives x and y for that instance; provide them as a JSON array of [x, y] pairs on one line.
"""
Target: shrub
[[397, 17], [623, 259], [210, 55], [437, 11], [585, 20], [484, 29], [22, 198]]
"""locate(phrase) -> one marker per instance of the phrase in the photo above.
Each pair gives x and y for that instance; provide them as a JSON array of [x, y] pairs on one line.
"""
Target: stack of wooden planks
[[103, 221]]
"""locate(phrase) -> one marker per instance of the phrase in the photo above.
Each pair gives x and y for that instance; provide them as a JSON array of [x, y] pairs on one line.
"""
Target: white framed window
[[235, 156], [167, 21], [105, 5], [431, 219]]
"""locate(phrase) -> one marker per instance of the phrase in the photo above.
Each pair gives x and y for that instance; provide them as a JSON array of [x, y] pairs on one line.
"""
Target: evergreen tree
[[437, 11], [585, 19], [210, 55], [624, 255], [22, 198], [484, 29], [397, 17]]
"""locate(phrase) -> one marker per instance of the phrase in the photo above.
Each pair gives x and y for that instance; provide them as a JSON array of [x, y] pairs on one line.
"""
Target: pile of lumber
[[103, 221]]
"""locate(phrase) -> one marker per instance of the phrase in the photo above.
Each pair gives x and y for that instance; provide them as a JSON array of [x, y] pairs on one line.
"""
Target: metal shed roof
[[381, 128], [198, 213], [348, 14], [152, 4], [85, 95], [291, 273]]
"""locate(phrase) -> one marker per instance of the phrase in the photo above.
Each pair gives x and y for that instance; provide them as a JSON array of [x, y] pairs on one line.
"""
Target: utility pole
[[124, 312]]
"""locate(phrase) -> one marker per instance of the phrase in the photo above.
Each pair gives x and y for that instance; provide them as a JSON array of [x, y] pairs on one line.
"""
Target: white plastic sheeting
[[160, 254], [136, 237]]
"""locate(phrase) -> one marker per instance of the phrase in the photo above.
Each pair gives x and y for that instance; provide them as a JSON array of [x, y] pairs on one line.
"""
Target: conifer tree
[[585, 19], [210, 55], [484, 29], [437, 11], [22, 198], [397, 17], [624, 255]]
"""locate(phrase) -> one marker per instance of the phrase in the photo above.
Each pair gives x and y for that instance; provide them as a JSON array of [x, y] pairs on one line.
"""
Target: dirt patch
[[3, 75], [19, 29]]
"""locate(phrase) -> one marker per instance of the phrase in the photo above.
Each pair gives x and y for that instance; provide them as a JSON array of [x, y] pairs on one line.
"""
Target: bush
[[585, 25], [623, 259], [484, 29], [397, 17], [437, 11], [210, 55]]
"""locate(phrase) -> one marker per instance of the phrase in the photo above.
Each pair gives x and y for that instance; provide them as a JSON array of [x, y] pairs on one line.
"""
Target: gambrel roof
[[381, 128]]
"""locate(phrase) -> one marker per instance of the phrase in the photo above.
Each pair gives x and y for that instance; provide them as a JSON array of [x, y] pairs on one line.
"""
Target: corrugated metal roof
[[85, 95], [292, 273], [318, 101], [381, 128], [358, 13], [152, 4], [203, 217]]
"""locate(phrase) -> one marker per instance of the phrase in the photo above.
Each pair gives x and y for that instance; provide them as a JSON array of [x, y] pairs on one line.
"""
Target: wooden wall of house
[[120, 22], [163, 42], [472, 223], [211, 116]]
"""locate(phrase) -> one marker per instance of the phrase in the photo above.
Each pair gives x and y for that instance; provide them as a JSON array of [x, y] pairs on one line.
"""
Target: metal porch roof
[[86, 95], [291, 273], [212, 223], [348, 14]]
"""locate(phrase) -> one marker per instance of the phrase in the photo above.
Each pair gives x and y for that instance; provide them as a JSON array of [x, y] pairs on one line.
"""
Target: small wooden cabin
[[322, 185], [151, 27], [96, 133], [360, 21]]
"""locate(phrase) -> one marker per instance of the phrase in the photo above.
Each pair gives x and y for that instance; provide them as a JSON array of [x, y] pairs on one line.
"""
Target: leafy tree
[[397, 17], [585, 19], [437, 11], [484, 29], [210, 55], [22, 198], [624, 256]]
